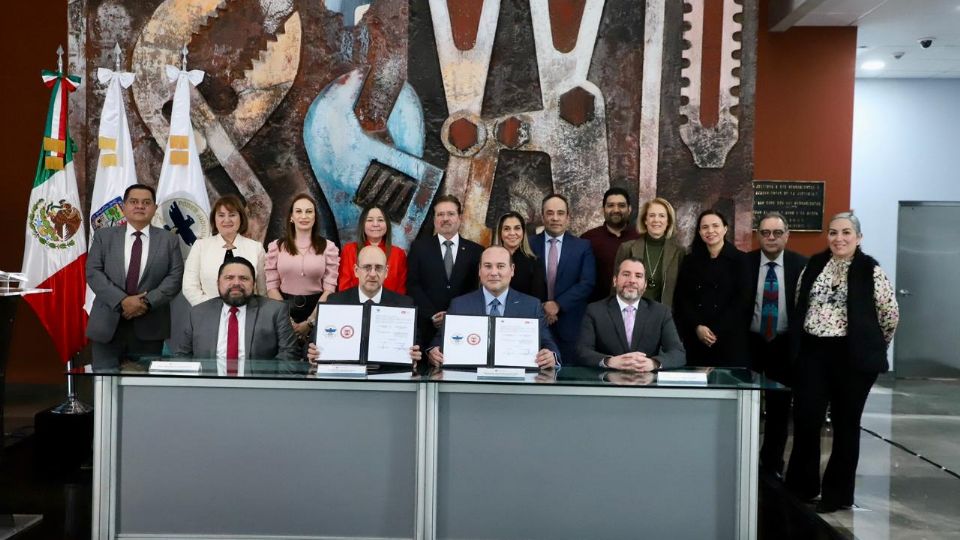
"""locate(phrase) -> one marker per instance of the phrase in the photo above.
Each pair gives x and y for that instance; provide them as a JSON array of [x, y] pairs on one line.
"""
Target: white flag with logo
[[183, 205], [115, 166]]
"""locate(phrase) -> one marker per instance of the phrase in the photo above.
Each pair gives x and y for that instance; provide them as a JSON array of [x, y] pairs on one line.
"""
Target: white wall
[[906, 147]]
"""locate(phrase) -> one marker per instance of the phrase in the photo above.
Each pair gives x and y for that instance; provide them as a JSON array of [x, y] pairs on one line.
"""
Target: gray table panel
[[521, 466], [352, 473]]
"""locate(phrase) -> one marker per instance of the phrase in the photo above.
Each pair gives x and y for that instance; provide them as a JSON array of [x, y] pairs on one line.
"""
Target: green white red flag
[[55, 250]]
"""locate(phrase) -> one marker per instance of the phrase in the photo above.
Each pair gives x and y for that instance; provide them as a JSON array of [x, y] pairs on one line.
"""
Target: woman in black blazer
[[712, 301], [529, 275]]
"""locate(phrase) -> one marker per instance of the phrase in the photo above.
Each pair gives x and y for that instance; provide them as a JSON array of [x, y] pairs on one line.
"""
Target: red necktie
[[233, 341], [133, 271]]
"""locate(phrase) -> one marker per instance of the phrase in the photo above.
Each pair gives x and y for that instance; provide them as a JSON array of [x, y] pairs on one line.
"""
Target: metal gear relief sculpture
[[570, 127]]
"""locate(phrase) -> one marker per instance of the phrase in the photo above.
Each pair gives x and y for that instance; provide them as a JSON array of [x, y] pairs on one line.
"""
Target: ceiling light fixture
[[873, 65]]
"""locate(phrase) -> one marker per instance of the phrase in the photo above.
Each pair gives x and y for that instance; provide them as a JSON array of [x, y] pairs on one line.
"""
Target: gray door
[[928, 290]]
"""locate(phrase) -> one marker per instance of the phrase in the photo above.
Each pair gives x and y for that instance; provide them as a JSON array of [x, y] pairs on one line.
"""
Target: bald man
[[497, 299], [371, 270]]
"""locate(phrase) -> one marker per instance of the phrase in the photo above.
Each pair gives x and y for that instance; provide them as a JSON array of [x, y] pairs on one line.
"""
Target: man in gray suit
[[135, 270], [654, 342], [239, 325]]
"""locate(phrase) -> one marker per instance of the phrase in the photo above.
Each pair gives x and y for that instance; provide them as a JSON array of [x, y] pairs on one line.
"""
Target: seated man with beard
[[239, 325]]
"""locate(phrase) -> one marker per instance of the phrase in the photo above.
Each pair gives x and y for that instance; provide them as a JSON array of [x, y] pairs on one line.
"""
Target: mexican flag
[[55, 251]]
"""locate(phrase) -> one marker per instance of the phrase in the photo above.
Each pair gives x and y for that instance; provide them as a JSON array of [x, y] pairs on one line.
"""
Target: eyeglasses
[[767, 233], [378, 268]]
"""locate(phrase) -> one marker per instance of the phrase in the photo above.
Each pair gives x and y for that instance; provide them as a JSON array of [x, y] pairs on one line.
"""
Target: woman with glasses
[[529, 276], [660, 252], [847, 314], [713, 301], [229, 219], [374, 230], [302, 266]]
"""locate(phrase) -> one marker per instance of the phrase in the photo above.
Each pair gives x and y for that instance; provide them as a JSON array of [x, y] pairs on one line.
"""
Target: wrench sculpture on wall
[[710, 144], [570, 128], [355, 169]]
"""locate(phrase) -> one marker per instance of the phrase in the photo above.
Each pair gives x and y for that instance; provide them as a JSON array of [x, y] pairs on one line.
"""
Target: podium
[[11, 289]]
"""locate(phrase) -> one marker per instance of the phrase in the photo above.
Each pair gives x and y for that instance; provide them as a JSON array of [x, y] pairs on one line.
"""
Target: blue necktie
[[770, 308], [495, 308]]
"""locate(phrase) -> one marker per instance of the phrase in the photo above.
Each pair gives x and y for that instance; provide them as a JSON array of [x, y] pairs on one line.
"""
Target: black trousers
[[124, 346], [772, 358], [824, 376]]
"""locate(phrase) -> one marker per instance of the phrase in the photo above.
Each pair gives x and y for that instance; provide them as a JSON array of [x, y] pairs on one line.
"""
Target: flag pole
[[72, 405]]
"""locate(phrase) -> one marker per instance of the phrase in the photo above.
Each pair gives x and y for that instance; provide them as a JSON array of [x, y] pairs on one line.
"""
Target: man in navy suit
[[441, 267], [774, 270], [496, 298], [571, 274]]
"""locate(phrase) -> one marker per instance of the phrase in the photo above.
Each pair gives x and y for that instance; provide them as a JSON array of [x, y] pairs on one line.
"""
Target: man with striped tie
[[775, 271]]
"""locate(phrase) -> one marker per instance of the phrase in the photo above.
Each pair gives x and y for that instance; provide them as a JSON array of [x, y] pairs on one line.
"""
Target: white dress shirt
[[222, 334], [453, 249], [781, 294], [364, 297], [128, 247]]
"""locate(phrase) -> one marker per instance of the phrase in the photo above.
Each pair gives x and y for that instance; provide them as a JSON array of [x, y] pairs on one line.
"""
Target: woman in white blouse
[[229, 218]]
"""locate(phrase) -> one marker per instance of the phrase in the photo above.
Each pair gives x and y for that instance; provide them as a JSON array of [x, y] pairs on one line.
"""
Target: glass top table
[[716, 378]]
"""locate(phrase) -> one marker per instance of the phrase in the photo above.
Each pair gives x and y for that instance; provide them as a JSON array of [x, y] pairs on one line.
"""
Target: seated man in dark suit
[[239, 325], [654, 342], [371, 270], [496, 298]]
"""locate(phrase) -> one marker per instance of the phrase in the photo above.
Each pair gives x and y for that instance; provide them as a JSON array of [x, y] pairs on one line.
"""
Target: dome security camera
[[925, 43]]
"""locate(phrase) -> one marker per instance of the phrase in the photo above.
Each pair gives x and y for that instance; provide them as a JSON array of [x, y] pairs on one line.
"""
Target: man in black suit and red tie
[[775, 271], [441, 267]]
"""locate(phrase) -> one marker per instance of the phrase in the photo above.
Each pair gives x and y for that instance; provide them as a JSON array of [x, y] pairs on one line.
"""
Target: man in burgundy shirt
[[606, 238]]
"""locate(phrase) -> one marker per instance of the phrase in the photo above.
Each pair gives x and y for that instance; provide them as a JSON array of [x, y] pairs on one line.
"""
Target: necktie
[[448, 257], [770, 308], [495, 308], [552, 260], [133, 271], [233, 341], [368, 302], [629, 315], [228, 255]]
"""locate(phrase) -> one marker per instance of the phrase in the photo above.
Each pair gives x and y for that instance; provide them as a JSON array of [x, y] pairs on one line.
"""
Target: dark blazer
[[602, 334], [427, 281], [715, 293], [107, 277], [793, 264], [529, 276], [673, 254], [517, 304], [267, 330], [351, 297], [576, 276]]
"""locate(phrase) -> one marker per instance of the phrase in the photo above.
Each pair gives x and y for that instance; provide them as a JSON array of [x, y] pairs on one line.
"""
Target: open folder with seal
[[365, 334], [495, 342]]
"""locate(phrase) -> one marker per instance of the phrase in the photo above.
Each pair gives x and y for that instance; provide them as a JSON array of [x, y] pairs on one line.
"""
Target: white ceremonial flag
[[183, 205], [115, 165]]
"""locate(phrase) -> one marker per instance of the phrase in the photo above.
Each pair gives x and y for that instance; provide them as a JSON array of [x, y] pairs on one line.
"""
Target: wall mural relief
[[396, 101]]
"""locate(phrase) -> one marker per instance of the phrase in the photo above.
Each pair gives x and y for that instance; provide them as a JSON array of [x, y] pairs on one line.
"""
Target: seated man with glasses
[[371, 269]]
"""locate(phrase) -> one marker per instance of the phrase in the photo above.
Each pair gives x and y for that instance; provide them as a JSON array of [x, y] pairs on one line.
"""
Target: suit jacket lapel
[[253, 310], [152, 252], [117, 260], [511, 303], [616, 321], [640, 322]]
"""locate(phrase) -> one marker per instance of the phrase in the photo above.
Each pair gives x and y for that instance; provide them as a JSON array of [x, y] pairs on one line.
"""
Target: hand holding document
[[339, 332], [391, 335]]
